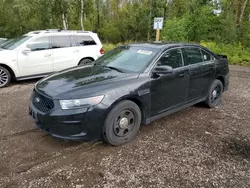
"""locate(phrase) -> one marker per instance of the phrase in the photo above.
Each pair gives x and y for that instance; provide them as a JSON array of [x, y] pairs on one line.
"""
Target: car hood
[[81, 82]]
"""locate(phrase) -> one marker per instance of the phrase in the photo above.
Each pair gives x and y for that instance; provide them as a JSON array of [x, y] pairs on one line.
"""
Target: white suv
[[39, 53]]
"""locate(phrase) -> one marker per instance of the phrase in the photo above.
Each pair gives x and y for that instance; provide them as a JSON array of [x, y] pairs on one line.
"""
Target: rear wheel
[[85, 62], [5, 77], [122, 123], [215, 93]]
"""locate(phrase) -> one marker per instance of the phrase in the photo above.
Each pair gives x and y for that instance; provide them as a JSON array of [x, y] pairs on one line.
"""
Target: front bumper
[[78, 124]]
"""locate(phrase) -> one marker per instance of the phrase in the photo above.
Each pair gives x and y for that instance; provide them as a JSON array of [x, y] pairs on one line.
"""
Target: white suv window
[[61, 42], [85, 40], [39, 44]]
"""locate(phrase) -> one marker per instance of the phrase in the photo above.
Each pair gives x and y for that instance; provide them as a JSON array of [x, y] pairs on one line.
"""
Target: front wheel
[[122, 123], [5, 77], [214, 94]]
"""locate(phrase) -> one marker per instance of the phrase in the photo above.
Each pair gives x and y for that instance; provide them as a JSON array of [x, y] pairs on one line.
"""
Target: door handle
[[47, 55], [76, 51], [182, 74]]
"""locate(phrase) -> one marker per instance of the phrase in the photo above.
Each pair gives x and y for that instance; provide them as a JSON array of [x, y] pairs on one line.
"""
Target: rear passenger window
[[39, 44], [192, 56], [61, 42], [85, 40], [206, 56], [171, 58]]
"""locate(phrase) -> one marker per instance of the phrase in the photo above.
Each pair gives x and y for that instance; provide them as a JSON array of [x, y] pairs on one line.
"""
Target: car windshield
[[2, 41], [128, 58], [11, 44]]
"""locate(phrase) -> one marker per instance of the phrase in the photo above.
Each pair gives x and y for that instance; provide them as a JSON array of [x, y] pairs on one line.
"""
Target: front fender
[[136, 92], [11, 67]]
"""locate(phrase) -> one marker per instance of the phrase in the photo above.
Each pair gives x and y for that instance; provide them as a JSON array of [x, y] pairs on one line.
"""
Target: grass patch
[[108, 46], [237, 54]]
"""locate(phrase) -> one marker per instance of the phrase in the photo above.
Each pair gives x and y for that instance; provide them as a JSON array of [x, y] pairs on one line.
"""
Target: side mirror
[[26, 51], [162, 70]]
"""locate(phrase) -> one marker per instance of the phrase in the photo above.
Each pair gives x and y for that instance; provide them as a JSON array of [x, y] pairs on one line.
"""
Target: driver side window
[[39, 44], [172, 58]]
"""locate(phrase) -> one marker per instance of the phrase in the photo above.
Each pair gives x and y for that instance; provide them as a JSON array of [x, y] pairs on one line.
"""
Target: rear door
[[88, 47], [201, 71], [207, 71], [64, 50]]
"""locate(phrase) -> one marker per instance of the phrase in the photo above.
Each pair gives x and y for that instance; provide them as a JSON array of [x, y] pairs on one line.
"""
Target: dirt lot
[[197, 147]]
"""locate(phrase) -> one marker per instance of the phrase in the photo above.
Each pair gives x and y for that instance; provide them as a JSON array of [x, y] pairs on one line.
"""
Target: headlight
[[79, 103]]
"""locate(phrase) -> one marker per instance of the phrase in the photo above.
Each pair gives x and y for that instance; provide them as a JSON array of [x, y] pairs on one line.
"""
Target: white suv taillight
[[101, 51]]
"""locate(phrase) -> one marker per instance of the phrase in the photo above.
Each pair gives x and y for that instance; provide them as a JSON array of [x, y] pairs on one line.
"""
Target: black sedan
[[127, 87]]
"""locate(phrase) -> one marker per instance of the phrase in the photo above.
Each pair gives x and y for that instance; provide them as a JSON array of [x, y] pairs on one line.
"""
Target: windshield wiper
[[113, 68]]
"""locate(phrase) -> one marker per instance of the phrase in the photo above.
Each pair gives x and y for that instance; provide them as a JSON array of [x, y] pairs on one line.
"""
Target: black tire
[[117, 130], [5, 77], [85, 62], [214, 94]]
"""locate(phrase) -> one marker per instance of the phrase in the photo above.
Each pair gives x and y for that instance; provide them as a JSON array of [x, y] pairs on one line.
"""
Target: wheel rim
[[215, 97], [3, 77], [124, 123], [86, 62]]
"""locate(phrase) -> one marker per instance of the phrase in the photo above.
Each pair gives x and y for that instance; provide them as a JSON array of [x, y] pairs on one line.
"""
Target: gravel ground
[[196, 147]]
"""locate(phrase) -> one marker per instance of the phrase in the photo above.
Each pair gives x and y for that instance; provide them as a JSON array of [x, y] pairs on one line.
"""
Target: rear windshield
[[128, 58]]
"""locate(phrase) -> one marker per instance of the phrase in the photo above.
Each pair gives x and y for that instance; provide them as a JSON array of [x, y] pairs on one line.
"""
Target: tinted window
[[171, 58], [85, 40], [39, 44], [192, 56], [206, 56], [61, 42]]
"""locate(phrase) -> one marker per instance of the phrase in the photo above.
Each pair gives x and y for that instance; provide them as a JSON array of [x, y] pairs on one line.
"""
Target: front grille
[[42, 103]]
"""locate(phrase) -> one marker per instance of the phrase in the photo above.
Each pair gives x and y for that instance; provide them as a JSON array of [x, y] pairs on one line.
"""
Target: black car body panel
[[70, 83], [155, 95]]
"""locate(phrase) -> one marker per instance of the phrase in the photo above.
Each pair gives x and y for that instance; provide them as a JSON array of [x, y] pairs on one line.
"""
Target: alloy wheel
[[3, 77]]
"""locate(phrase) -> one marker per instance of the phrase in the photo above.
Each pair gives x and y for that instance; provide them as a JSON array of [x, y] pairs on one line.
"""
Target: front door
[[171, 90], [39, 61]]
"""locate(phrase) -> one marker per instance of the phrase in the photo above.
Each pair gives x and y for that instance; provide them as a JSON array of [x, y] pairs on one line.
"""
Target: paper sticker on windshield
[[145, 52]]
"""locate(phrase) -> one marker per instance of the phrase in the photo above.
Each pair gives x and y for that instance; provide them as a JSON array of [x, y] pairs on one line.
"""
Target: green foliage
[[236, 53], [108, 46], [110, 32], [119, 21], [175, 30]]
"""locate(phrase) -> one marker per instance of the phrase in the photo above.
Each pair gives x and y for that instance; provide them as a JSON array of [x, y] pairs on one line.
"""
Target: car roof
[[59, 34], [50, 32], [163, 45]]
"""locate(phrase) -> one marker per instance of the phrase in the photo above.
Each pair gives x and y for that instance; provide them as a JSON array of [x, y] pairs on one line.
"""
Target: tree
[[131, 20]]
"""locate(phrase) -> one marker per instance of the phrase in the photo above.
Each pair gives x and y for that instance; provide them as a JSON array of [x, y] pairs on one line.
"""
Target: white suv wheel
[[5, 77]]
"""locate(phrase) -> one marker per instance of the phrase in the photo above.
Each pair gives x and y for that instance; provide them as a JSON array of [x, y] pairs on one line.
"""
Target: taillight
[[102, 51]]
